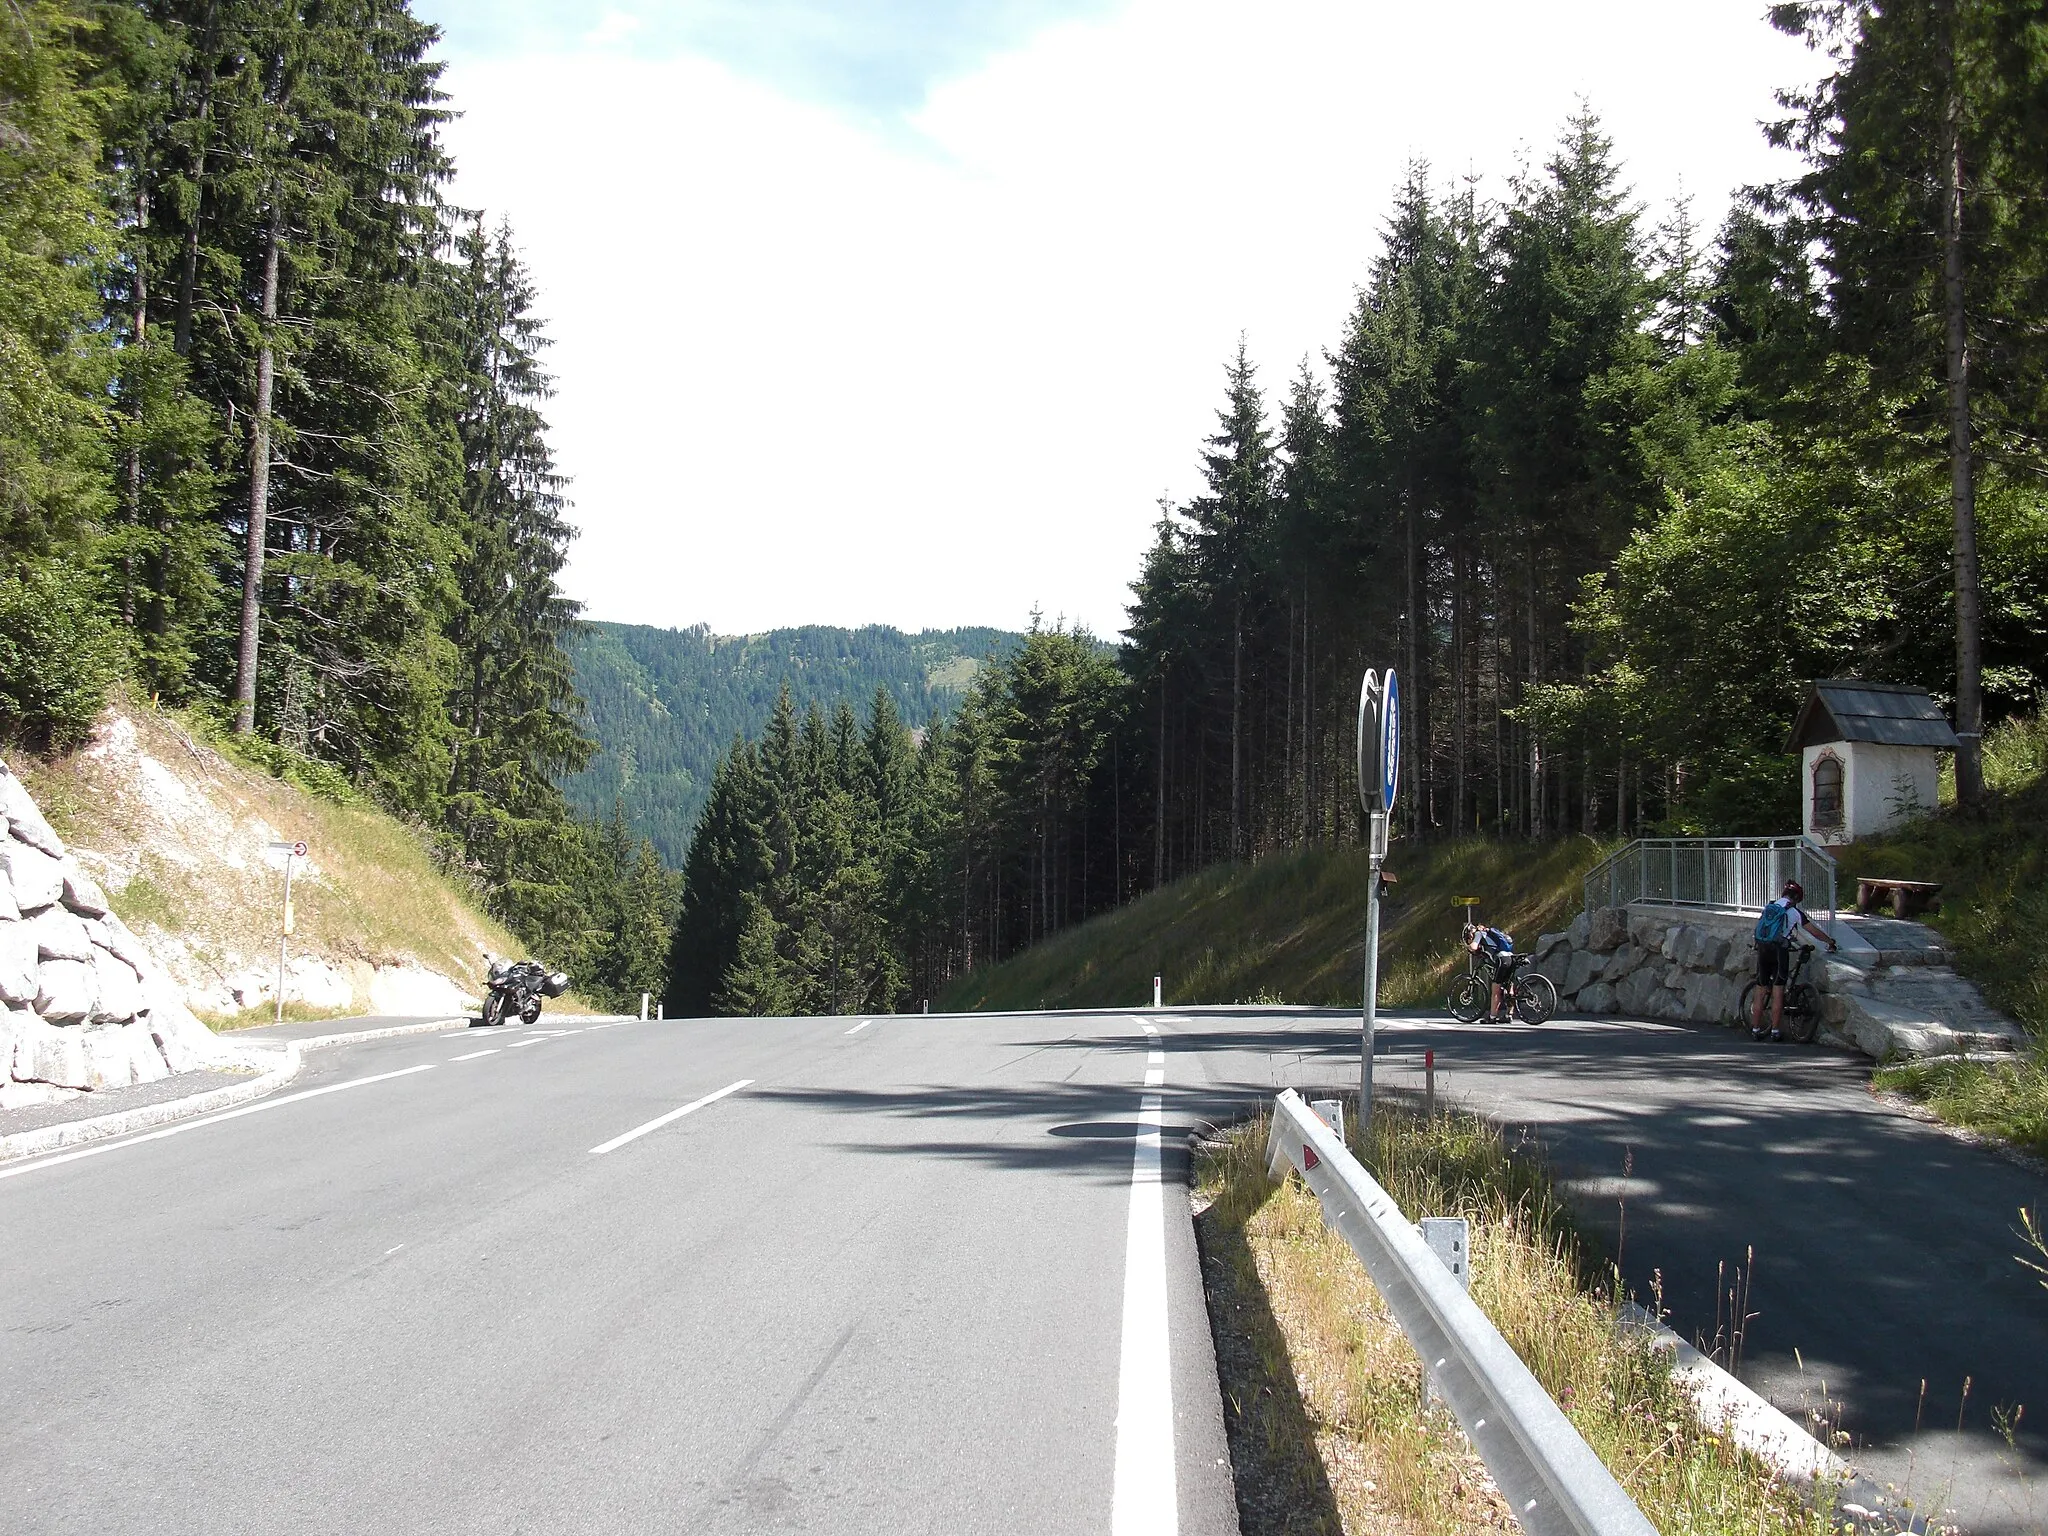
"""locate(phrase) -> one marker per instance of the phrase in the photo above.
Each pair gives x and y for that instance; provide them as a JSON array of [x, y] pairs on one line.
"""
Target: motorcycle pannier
[[556, 984]]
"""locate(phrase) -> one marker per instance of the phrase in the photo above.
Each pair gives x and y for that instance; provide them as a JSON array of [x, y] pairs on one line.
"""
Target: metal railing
[[1552, 1479], [1732, 874]]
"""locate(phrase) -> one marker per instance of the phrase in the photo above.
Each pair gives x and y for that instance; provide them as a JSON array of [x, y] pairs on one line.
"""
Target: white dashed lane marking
[[675, 1114]]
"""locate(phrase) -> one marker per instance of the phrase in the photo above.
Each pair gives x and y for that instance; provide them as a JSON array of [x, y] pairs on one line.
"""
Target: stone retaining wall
[[83, 1006], [1657, 962]]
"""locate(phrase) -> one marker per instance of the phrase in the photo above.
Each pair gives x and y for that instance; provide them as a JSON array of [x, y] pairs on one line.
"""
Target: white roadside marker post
[[1155, 991], [1379, 774], [643, 1007], [285, 924]]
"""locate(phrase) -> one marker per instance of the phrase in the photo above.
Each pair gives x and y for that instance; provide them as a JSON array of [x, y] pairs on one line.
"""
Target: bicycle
[[1801, 1018], [1528, 994]]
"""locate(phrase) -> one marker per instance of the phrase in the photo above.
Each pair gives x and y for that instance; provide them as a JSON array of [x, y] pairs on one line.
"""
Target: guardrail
[[1552, 1479], [1732, 874]]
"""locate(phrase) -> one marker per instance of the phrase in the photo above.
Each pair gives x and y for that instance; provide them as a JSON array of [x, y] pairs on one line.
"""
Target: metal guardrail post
[[1553, 1481]]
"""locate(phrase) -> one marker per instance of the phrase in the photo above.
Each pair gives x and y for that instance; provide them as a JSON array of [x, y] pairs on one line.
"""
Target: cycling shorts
[[1773, 962]]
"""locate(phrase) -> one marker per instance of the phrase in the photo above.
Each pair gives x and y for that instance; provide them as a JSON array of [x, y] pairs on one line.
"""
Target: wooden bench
[[1908, 898]]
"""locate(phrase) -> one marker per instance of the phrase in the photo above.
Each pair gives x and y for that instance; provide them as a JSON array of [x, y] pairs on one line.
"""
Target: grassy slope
[[375, 896], [1289, 929], [1993, 868]]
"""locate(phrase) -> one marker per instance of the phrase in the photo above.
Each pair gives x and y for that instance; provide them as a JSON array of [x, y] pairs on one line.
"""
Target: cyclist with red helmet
[[1774, 929]]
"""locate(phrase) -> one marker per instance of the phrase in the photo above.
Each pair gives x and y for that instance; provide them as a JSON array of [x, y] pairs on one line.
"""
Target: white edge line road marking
[[192, 1125], [675, 1114], [1145, 1500], [472, 1056], [537, 1040], [863, 1024]]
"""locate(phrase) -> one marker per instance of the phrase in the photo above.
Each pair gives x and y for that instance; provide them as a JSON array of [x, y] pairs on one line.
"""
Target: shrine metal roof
[[1891, 714]]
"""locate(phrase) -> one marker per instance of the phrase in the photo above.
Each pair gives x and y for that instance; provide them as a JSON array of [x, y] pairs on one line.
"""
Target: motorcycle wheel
[[494, 1008], [531, 1012]]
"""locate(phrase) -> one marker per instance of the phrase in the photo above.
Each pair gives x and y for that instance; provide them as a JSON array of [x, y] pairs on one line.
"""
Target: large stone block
[[9, 910], [1585, 965], [60, 935], [1546, 942], [1647, 926], [1608, 929], [1579, 934], [108, 1061], [35, 877], [82, 893], [14, 1023], [1625, 959], [1554, 965], [117, 936], [24, 821], [18, 963], [48, 1053], [1595, 997], [1638, 992], [1741, 957], [146, 1059], [121, 996], [66, 991]]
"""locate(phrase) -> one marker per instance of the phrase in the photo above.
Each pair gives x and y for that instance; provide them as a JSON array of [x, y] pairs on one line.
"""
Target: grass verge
[[1321, 1390], [1290, 928]]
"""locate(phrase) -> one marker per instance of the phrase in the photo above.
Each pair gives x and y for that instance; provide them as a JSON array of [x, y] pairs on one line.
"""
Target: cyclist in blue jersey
[[1774, 929], [1496, 946]]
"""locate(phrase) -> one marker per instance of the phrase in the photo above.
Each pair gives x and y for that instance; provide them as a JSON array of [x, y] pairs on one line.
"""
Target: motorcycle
[[517, 986]]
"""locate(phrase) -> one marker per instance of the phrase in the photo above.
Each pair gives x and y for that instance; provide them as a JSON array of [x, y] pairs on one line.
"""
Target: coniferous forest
[[272, 444], [1608, 488]]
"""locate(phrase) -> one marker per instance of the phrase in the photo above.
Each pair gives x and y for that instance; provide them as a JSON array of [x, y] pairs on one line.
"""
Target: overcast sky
[[909, 311]]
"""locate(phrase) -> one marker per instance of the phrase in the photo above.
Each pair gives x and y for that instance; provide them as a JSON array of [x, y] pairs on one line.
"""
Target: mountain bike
[[1801, 1018], [1527, 994]]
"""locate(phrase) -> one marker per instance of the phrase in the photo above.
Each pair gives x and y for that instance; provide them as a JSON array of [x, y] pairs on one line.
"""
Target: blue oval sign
[[1390, 739]]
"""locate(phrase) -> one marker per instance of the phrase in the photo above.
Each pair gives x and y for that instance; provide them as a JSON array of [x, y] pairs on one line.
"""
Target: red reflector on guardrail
[[1308, 1156]]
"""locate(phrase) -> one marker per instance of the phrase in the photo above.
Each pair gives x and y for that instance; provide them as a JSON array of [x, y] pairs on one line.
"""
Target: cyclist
[[1496, 946], [1774, 929]]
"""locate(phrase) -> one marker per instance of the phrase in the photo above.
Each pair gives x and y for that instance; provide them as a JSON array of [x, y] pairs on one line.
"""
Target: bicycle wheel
[[1468, 999], [1745, 1011], [1802, 1013], [1535, 997]]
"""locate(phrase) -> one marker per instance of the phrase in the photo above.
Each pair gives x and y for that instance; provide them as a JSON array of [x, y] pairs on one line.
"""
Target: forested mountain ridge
[[665, 704]]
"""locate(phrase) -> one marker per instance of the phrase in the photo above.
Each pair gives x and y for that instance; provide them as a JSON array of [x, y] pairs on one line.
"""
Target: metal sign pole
[[284, 931], [1370, 1025], [292, 852], [1379, 735]]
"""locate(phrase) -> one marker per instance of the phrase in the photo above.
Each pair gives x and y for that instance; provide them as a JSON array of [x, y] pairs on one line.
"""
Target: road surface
[[909, 1274]]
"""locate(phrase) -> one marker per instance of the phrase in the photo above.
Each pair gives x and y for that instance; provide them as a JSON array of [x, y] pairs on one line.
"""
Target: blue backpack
[[1776, 922]]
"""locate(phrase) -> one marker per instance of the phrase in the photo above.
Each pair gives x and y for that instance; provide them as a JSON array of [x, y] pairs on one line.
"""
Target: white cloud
[[815, 372]]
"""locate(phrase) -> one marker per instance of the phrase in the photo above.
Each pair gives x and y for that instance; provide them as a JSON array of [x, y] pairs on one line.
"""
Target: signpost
[[1379, 780], [292, 852]]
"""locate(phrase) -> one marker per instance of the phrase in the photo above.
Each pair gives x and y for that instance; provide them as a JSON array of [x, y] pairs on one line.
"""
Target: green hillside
[[1289, 929], [664, 704]]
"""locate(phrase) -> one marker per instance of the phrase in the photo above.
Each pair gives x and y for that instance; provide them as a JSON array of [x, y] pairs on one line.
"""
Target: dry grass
[[1311, 1357]]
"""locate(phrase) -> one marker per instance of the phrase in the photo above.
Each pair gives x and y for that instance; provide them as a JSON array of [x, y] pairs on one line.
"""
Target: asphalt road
[[912, 1276]]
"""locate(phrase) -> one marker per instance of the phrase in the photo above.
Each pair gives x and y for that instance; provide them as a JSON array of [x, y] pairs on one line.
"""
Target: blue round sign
[[1390, 739]]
